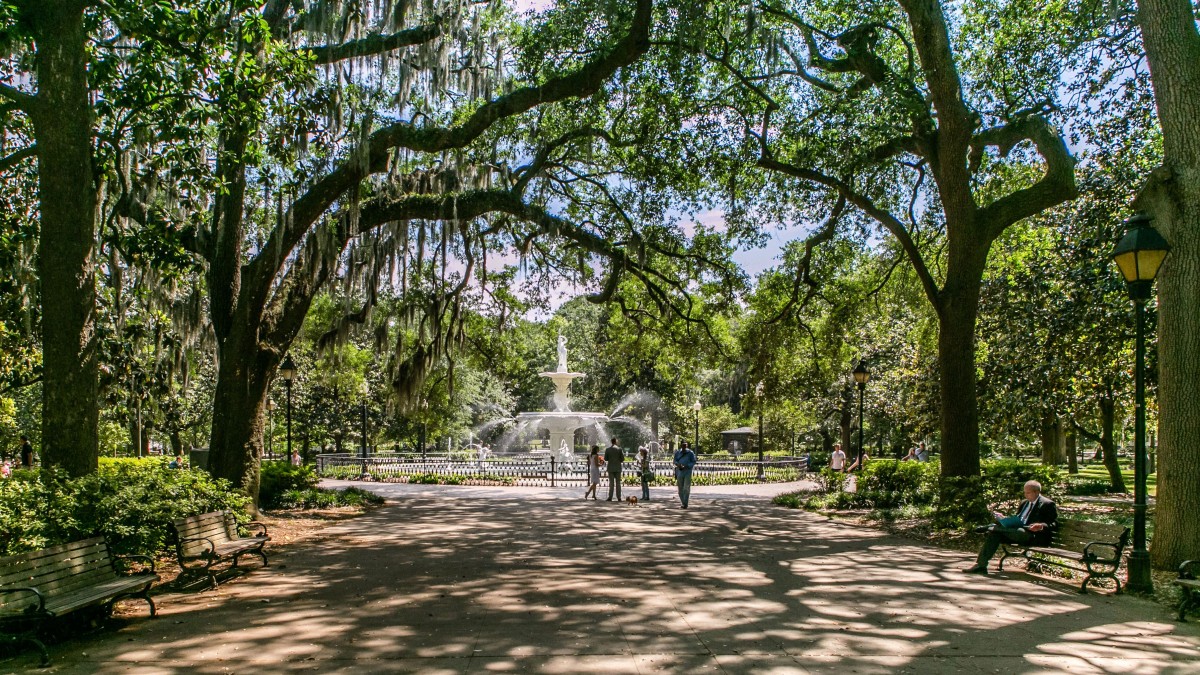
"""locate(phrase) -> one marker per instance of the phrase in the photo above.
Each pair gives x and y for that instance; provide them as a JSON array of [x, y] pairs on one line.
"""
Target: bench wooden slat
[[90, 565], [1067, 546], [53, 552], [91, 595], [210, 538], [68, 577]]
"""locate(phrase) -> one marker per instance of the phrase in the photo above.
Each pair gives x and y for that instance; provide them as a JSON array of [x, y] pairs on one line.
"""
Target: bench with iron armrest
[[203, 541], [1189, 587], [42, 585], [1079, 545]]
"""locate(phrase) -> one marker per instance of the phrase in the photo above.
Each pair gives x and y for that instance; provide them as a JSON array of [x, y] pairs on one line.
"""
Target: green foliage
[[887, 484], [791, 500], [831, 481], [917, 487], [1004, 480], [1088, 486], [281, 477], [318, 498], [130, 502]]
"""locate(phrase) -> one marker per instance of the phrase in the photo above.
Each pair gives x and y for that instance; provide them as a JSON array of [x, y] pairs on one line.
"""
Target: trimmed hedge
[[886, 484], [278, 478], [130, 502]]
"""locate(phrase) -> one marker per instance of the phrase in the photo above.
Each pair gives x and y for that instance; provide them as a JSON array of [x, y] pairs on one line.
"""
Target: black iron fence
[[541, 470]]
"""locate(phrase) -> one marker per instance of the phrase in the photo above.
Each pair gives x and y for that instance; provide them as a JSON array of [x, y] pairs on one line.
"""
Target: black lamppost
[[696, 437], [424, 415], [365, 392], [758, 393], [271, 428], [1139, 255], [861, 376], [287, 370]]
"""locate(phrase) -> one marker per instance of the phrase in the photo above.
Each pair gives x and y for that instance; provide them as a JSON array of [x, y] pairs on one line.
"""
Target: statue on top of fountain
[[562, 353]]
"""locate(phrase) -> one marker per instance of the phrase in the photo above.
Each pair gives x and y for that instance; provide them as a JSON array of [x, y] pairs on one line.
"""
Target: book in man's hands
[[1011, 522]]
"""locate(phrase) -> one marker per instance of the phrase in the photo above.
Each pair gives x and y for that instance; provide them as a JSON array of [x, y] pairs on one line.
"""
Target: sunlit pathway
[[449, 582]]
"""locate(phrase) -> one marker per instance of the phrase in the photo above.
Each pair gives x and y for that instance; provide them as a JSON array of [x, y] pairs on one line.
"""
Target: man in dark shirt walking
[[26, 452], [613, 457]]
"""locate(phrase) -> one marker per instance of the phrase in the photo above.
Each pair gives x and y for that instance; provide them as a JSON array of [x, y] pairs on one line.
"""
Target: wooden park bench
[[42, 585], [203, 541], [1079, 545], [1189, 587]]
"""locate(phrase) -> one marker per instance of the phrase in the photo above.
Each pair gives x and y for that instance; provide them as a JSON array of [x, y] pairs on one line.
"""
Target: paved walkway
[[455, 581]]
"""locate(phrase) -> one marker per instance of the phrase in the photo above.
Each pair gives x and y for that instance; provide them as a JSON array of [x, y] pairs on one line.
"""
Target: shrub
[[888, 483], [280, 477], [1004, 479], [131, 503], [1088, 486], [309, 498], [830, 480], [791, 500]]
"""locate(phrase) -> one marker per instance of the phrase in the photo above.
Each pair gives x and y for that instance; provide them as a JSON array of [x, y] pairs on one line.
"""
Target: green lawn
[[1097, 471]]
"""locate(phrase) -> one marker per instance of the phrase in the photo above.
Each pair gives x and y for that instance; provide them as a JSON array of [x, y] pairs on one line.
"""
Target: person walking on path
[[644, 472], [1034, 525], [837, 460], [859, 463], [593, 465], [614, 457], [26, 452], [685, 460]]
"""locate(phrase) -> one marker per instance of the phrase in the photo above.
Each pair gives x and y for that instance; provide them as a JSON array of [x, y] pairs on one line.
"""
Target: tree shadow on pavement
[[459, 585]]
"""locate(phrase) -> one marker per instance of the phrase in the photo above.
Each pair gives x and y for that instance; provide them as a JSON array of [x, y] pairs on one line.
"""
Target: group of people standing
[[25, 457], [837, 459], [614, 458]]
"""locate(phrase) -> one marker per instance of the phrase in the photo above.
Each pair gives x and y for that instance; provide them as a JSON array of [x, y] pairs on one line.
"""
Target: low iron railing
[[541, 471]]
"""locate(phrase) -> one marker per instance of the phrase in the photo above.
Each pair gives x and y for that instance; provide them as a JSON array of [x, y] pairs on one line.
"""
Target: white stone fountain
[[562, 422]]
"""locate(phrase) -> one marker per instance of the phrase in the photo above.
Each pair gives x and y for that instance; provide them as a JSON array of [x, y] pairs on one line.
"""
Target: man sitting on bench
[[1033, 525]]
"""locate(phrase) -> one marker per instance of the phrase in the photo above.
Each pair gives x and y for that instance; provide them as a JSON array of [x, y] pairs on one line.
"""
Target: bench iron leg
[[41, 650], [1005, 553], [1189, 600]]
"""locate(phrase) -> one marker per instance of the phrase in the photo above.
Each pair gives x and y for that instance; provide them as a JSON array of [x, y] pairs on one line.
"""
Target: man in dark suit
[[613, 457], [1034, 525]]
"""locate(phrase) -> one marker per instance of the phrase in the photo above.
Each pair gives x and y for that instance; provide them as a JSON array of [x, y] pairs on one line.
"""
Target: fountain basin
[[562, 426]]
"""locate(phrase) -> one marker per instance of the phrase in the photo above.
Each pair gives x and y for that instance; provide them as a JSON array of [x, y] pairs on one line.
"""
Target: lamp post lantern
[[696, 437], [287, 370], [861, 376], [758, 393], [1138, 255]]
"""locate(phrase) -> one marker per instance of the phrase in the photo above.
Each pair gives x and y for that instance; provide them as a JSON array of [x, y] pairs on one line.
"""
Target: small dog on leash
[[632, 500]]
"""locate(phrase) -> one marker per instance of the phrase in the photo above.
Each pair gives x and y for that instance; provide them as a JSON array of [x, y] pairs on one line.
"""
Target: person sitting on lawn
[[1034, 525]]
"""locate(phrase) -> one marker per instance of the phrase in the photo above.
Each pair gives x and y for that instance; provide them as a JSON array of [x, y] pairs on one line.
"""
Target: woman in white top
[[593, 466]]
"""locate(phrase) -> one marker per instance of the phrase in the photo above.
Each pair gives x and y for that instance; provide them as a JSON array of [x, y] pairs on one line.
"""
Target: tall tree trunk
[[960, 497], [1054, 439], [957, 313], [1173, 196], [239, 406], [845, 419], [1108, 449], [1071, 440], [61, 117], [176, 442]]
